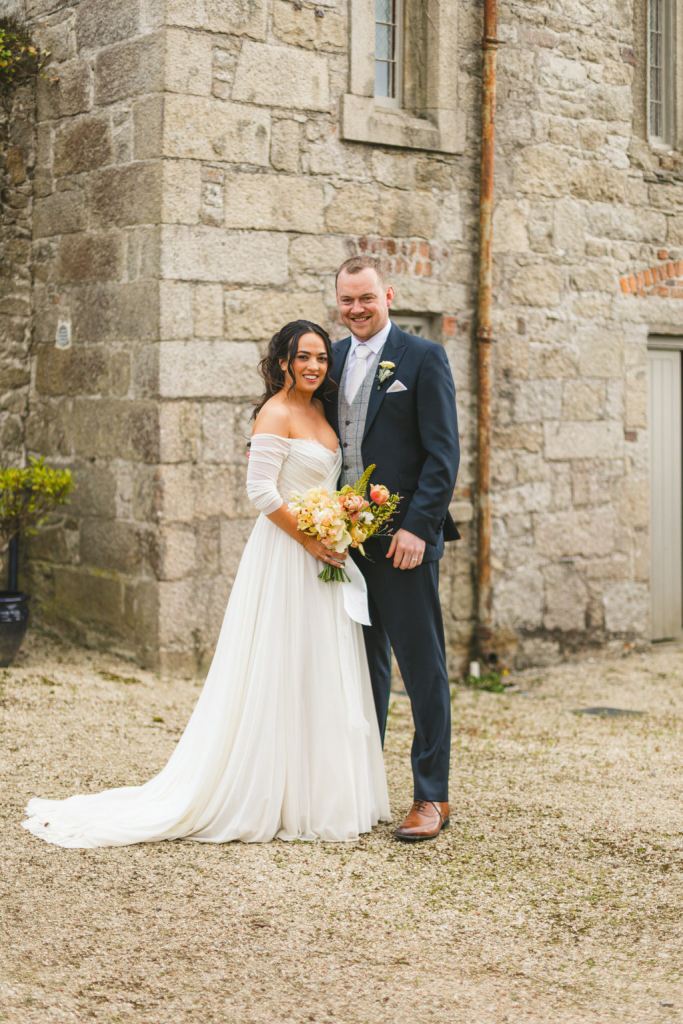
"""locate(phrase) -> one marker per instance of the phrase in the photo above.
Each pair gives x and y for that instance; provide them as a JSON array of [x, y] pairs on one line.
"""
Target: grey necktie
[[356, 374]]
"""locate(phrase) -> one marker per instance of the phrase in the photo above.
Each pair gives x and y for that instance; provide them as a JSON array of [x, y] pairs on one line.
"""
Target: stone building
[[195, 172]]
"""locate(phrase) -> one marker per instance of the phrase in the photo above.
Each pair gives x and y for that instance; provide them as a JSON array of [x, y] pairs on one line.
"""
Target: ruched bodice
[[282, 467], [308, 464]]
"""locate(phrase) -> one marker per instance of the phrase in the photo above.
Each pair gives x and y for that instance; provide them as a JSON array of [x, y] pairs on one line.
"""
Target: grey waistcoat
[[352, 420]]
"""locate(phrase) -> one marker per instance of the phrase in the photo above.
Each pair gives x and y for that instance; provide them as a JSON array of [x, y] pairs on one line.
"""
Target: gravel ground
[[555, 897]]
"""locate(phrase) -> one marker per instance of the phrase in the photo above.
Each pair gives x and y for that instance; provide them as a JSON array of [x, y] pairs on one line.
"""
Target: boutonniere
[[385, 371]]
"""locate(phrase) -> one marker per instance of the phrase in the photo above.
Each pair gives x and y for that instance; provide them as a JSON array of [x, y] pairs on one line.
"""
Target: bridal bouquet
[[345, 518]]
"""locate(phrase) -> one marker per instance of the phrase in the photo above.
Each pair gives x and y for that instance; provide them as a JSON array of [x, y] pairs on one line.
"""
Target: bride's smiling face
[[309, 365]]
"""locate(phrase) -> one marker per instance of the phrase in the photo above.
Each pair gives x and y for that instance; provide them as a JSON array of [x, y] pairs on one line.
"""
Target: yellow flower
[[358, 535]]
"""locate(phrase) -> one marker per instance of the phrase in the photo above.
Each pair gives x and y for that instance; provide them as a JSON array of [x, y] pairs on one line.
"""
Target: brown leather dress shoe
[[425, 820]]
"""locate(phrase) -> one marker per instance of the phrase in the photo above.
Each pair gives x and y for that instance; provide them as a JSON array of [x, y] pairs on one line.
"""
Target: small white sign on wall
[[63, 334]]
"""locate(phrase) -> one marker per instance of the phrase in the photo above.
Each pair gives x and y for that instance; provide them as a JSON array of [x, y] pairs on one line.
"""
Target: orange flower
[[379, 494]]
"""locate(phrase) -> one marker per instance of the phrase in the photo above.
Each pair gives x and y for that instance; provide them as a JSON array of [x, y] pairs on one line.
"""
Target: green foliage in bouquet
[[383, 513], [28, 495], [344, 518], [361, 485], [20, 58]]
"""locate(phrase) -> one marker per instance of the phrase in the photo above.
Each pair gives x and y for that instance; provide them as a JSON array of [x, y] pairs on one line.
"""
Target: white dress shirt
[[375, 344]]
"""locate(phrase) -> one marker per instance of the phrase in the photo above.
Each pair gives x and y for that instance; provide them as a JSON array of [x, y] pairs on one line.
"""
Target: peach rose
[[353, 503], [379, 494]]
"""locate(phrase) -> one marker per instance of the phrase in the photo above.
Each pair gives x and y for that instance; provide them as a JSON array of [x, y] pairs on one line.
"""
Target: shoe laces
[[422, 805]]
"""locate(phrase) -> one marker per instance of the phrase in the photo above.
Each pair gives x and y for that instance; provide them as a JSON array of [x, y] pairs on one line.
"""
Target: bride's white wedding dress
[[283, 741]]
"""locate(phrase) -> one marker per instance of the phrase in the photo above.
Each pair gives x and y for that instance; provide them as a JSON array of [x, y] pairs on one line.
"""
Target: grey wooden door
[[666, 507]]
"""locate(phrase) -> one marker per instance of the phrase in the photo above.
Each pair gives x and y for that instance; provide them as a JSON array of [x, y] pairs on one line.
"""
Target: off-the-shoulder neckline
[[308, 440]]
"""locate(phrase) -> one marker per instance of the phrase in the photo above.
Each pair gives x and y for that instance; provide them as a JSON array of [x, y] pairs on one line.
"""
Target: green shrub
[[27, 496], [20, 58]]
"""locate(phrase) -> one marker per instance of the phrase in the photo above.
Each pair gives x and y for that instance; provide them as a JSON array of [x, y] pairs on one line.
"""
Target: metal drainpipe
[[484, 334]]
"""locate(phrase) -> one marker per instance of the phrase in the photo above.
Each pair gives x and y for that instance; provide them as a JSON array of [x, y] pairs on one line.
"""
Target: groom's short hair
[[355, 264]]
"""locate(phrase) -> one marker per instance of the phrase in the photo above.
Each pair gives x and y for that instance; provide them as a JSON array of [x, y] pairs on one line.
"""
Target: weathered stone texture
[[208, 254], [125, 195], [572, 212], [313, 28], [202, 128], [130, 69], [96, 257], [285, 145], [67, 92], [17, 160], [187, 62], [273, 202], [82, 145], [90, 371], [99, 25], [280, 77], [256, 314], [239, 17], [181, 191], [59, 213], [208, 369], [193, 192]]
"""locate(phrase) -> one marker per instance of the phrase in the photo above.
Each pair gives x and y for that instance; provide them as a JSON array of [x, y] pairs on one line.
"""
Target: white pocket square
[[396, 386]]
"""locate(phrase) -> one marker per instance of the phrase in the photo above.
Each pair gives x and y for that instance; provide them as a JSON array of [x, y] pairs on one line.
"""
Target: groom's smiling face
[[363, 301]]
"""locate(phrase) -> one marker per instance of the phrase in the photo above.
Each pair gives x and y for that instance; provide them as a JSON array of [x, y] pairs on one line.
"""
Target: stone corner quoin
[[184, 187]]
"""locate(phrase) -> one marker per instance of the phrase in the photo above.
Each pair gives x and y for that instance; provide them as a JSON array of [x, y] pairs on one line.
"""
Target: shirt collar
[[374, 343]]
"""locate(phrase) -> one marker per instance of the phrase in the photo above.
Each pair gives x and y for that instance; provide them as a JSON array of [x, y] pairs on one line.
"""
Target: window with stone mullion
[[388, 41], [661, 72], [403, 78]]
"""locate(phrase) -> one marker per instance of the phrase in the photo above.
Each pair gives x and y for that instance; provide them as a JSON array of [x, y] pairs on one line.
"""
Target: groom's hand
[[406, 549]]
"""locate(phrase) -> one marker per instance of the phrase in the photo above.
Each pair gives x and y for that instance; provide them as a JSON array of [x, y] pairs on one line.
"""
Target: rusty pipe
[[484, 332]]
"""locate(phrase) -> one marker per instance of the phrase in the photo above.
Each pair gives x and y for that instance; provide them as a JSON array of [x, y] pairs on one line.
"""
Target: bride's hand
[[323, 554]]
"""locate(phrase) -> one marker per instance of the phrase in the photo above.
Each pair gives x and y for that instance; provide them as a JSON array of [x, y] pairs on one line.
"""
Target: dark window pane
[[384, 42]]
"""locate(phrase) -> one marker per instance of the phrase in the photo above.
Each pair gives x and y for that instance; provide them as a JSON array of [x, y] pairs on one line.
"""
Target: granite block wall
[[193, 190]]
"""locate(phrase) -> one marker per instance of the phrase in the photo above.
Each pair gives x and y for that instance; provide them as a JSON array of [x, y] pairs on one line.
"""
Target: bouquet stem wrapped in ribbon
[[346, 518]]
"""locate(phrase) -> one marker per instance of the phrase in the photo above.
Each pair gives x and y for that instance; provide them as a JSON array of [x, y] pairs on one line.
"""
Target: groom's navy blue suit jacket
[[411, 435]]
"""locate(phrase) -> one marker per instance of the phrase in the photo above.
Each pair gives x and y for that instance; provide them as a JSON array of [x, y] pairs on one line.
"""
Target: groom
[[396, 407]]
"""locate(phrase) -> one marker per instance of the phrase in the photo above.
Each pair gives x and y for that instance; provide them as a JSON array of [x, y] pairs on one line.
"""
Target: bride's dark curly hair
[[284, 345]]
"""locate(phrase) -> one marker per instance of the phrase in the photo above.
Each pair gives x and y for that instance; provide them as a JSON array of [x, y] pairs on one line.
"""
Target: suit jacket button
[[347, 423], [345, 444], [345, 466]]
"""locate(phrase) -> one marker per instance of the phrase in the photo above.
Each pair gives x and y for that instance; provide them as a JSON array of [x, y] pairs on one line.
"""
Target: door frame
[[672, 342]]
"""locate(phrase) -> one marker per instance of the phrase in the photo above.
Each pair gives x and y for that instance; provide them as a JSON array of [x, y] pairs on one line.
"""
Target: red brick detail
[[665, 279], [449, 327], [411, 256]]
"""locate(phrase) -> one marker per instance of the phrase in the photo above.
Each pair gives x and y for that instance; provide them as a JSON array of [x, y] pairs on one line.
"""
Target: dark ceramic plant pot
[[13, 623]]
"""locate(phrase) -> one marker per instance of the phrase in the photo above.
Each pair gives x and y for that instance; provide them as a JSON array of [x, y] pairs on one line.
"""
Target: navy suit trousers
[[406, 616]]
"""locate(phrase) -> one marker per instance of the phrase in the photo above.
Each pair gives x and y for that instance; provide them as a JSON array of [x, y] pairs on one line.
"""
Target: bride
[[283, 741]]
